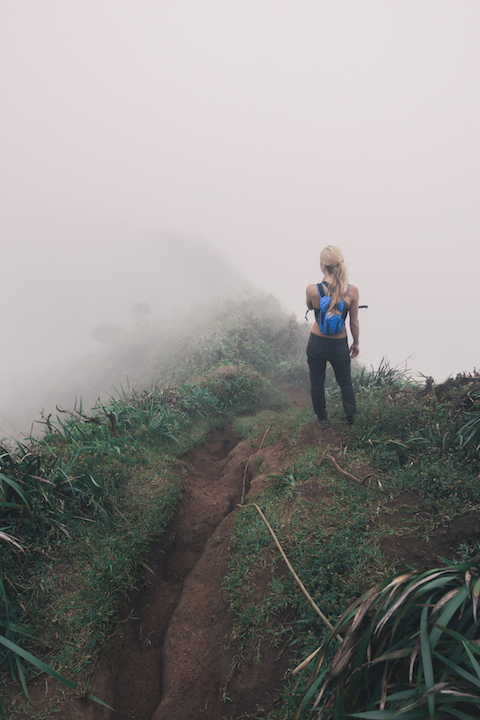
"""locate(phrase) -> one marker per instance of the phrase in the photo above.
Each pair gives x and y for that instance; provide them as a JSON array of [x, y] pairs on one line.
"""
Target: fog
[[262, 129]]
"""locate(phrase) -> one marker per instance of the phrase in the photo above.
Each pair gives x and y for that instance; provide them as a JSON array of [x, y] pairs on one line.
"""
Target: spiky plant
[[468, 434], [15, 655], [410, 649]]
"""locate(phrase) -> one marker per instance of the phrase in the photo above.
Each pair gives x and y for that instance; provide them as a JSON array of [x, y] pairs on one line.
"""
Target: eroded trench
[[173, 659], [176, 657]]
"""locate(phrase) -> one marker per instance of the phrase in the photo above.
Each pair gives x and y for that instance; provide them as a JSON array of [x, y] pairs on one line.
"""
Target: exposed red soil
[[176, 656], [408, 546]]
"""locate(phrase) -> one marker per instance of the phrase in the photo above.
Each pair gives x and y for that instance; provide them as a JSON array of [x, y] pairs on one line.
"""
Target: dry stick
[[348, 475], [264, 438], [330, 458], [323, 455], [246, 466], [302, 586], [245, 476], [337, 467], [307, 660]]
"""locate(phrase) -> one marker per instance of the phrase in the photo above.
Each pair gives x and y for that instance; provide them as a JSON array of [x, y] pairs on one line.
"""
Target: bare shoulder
[[353, 291], [312, 297]]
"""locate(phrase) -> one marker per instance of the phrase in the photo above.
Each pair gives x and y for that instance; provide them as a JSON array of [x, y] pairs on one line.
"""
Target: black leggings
[[321, 350]]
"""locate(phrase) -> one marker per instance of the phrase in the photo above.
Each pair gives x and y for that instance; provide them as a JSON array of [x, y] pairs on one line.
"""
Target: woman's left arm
[[354, 324]]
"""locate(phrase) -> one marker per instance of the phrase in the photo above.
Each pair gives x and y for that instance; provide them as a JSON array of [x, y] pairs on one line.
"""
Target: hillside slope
[[87, 294], [136, 555], [178, 653]]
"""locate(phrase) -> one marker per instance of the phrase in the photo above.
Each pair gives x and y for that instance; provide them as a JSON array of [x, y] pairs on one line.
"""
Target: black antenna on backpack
[[360, 307]]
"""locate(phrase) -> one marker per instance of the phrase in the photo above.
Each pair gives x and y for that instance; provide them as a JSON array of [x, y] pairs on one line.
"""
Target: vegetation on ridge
[[415, 439], [251, 330], [410, 649], [80, 504]]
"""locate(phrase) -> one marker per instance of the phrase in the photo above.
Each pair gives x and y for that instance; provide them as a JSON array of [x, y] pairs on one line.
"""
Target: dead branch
[[346, 474], [245, 476], [326, 456]]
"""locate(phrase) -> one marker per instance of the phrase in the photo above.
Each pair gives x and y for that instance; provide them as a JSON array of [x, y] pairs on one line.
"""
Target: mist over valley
[[195, 149], [100, 296], [170, 173]]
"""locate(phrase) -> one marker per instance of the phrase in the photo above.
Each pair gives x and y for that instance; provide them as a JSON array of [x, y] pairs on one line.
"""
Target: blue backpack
[[330, 324]]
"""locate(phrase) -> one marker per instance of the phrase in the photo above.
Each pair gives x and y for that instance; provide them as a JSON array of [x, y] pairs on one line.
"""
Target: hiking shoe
[[322, 424]]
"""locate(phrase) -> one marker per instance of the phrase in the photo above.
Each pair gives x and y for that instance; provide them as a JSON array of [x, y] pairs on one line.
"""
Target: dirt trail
[[145, 662], [177, 658]]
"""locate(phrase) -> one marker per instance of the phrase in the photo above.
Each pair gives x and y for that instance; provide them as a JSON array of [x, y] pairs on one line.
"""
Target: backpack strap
[[321, 293], [319, 313]]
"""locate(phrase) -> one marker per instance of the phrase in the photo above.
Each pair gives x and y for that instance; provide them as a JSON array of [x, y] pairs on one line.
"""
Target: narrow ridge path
[[140, 662]]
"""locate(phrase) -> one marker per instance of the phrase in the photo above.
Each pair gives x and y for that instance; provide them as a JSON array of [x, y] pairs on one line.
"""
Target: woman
[[328, 339]]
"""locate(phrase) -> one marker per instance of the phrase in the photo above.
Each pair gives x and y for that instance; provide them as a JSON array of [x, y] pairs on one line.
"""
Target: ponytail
[[332, 258]]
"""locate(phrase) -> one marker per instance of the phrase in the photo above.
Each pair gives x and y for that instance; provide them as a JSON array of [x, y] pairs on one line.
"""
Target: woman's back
[[351, 304]]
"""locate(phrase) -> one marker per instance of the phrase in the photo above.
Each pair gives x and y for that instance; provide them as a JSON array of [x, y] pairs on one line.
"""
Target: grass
[[80, 504], [320, 540], [247, 330], [334, 545], [419, 439], [273, 425], [410, 650], [80, 554]]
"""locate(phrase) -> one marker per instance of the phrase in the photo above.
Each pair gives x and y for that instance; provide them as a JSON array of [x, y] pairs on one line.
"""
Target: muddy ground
[[176, 657]]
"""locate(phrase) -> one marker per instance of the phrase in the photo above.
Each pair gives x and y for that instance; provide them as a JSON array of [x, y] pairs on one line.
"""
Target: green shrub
[[410, 649]]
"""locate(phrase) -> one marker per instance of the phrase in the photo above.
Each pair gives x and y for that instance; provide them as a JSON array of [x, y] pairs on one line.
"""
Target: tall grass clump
[[468, 434], [66, 502], [384, 398], [42, 504], [423, 437], [410, 649]]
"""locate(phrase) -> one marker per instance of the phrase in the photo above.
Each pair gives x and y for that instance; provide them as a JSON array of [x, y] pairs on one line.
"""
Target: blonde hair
[[332, 257]]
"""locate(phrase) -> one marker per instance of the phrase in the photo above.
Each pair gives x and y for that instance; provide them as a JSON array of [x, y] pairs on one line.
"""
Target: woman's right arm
[[354, 324], [312, 297]]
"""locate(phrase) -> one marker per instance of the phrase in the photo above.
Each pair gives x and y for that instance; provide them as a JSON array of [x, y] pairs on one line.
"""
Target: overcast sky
[[270, 128]]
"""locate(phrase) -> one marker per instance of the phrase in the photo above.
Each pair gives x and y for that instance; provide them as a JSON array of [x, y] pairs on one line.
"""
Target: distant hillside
[[79, 289], [248, 329], [182, 269]]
